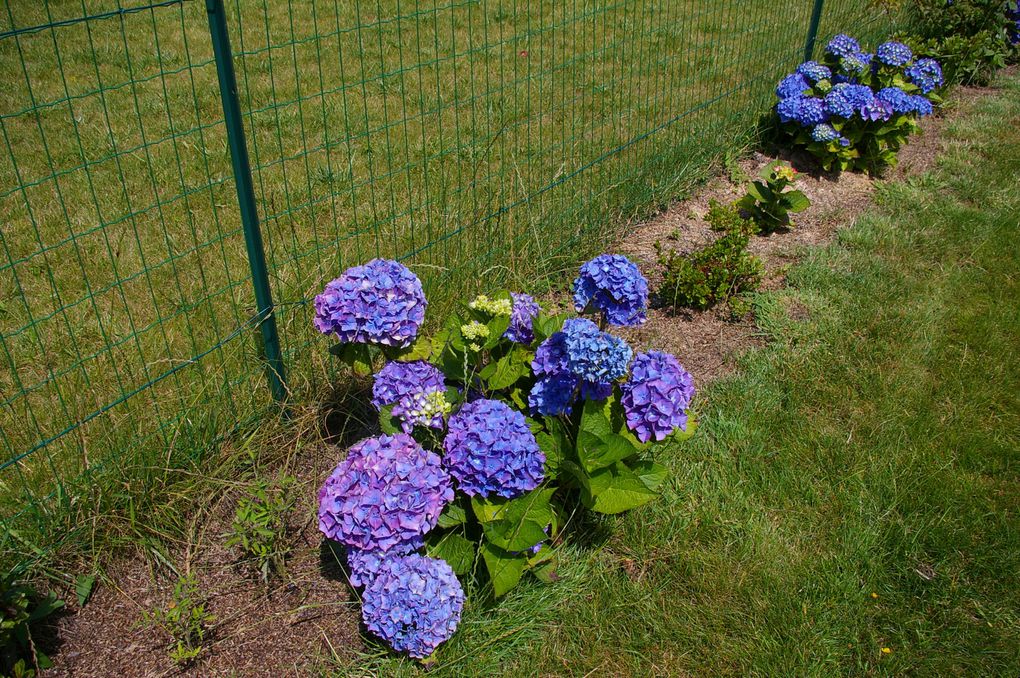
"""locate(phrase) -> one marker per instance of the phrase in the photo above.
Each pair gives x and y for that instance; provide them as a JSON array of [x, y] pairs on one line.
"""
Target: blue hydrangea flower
[[856, 64], [894, 53], [553, 394], [843, 46], [414, 604], [926, 74], [845, 100], [824, 133], [407, 386], [612, 285], [876, 109], [490, 450], [381, 302], [551, 355], [363, 566], [593, 355], [814, 71], [793, 85], [385, 495], [921, 105], [899, 100], [525, 309], [807, 111], [657, 395]]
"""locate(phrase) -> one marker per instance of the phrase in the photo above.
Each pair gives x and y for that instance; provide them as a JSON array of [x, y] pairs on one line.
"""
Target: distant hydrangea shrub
[[858, 108]]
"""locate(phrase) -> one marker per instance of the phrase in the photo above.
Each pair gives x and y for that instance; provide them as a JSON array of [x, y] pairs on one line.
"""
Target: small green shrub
[[260, 524], [727, 218], [185, 619], [710, 275], [768, 203], [21, 607]]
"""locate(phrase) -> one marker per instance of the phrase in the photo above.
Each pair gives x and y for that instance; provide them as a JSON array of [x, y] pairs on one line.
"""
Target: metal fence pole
[[246, 197], [816, 17]]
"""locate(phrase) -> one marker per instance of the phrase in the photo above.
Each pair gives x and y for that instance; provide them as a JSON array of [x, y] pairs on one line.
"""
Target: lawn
[[851, 503], [485, 143]]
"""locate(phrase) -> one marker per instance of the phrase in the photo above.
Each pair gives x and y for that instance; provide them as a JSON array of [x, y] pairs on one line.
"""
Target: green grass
[[856, 487], [486, 143]]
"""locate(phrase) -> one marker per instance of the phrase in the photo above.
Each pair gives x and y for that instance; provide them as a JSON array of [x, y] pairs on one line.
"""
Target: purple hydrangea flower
[[921, 105], [656, 398], [894, 53], [845, 100], [553, 394], [407, 386], [926, 74], [385, 495], [414, 604], [551, 355], [899, 100], [793, 85], [365, 565], [808, 111], [613, 285], [593, 355], [824, 133], [525, 309], [876, 109], [814, 71], [843, 46], [490, 450], [381, 302]]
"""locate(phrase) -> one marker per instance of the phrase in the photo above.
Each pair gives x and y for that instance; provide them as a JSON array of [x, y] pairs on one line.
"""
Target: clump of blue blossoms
[[381, 302], [859, 107], [592, 355], [415, 389], [385, 496], [657, 396], [926, 74], [554, 394], [612, 285], [894, 53], [525, 308], [413, 603], [490, 451]]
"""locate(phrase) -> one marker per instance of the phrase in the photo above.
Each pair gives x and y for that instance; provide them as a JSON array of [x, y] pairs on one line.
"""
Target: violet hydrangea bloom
[[876, 109], [814, 71], [410, 387], [793, 85], [843, 46], [414, 604], [593, 355], [553, 394], [525, 309], [926, 74], [364, 566], [613, 285], [381, 302], [894, 53], [656, 397], [490, 450], [385, 495]]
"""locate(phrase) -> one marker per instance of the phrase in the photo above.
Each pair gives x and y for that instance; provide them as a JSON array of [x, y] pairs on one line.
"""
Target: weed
[[185, 619], [710, 275], [260, 523], [21, 607]]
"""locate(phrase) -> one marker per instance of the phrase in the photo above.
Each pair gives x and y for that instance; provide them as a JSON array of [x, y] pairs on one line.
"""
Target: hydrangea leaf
[[598, 446], [547, 570], [504, 569], [796, 201], [453, 515], [387, 422], [505, 372], [359, 357], [651, 473], [553, 447], [513, 536], [545, 326], [456, 550], [497, 327], [614, 490], [421, 349]]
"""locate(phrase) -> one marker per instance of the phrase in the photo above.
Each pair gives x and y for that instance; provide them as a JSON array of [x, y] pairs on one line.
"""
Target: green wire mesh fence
[[480, 142]]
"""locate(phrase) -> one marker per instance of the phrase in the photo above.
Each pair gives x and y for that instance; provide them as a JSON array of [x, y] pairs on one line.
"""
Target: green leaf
[[452, 515], [598, 445], [497, 326], [421, 349], [546, 569], [514, 536], [456, 550], [389, 424], [796, 201], [359, 357], [614, 490], [505, 372], [83, 586], [504, 569], [651, 473]]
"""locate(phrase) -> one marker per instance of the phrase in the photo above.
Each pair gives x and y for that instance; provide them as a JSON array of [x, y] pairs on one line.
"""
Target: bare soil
[[289, 626]]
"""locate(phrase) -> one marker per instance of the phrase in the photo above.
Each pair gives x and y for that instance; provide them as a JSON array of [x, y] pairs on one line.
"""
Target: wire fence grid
[[481, 142]]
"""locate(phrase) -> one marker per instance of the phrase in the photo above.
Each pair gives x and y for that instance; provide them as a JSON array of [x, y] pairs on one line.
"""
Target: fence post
[[246, 197], [812, 35]]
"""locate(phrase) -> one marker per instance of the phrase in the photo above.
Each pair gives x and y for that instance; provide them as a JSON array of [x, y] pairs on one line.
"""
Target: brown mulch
[[288, 627]]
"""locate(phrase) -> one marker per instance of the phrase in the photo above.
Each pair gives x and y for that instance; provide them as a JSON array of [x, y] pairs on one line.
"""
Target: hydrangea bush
[[854, 110], [493, 430]]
